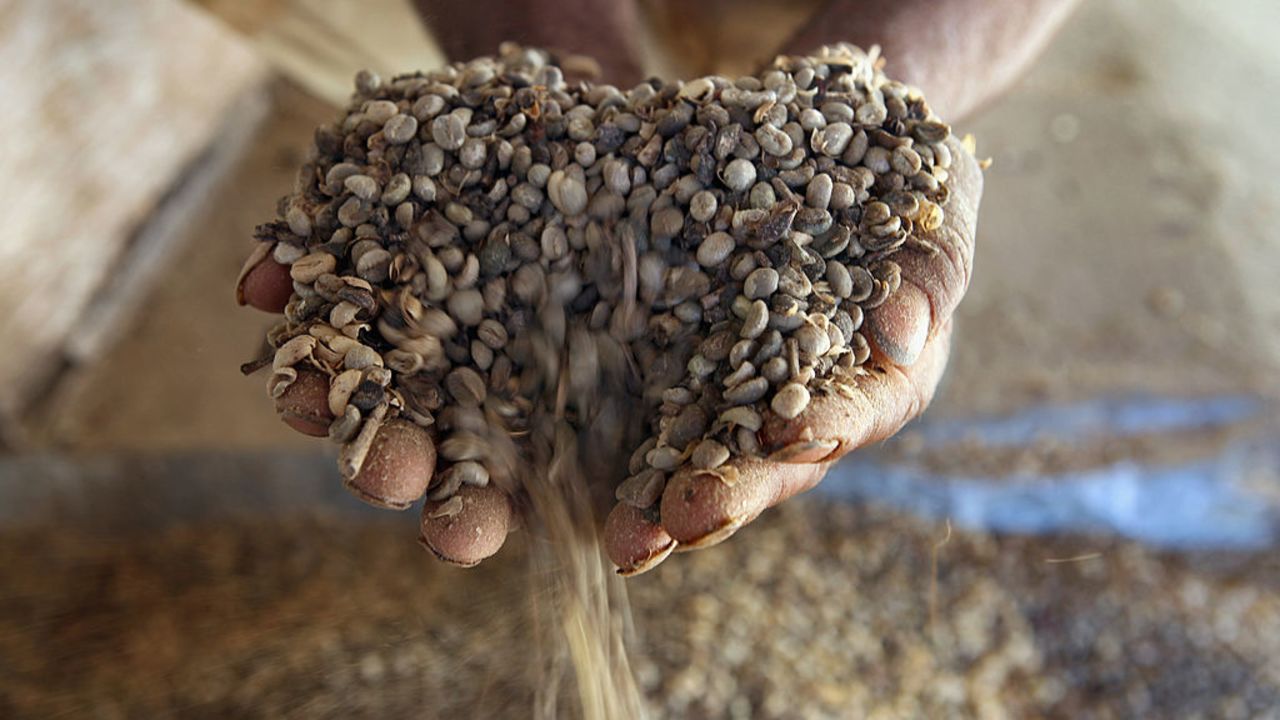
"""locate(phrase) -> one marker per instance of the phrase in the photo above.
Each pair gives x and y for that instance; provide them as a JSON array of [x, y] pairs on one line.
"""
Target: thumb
[[935, 271]]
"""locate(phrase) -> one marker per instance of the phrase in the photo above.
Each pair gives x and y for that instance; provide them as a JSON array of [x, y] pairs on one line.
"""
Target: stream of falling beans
[[580, 603], [577, 291], [576, 433]]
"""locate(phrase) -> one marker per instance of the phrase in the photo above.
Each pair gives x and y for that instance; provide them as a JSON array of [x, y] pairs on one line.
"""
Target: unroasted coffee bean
[[689, 425], [709, 454], [643, 490], [362, 186], [790, 401], [492, 333], [308, 269], [467, 306], [703, 205], [466, 386], [664, 458], [567, 193], [739, 175], [756, 321], [715, 249], [400, 129], [448, 131]]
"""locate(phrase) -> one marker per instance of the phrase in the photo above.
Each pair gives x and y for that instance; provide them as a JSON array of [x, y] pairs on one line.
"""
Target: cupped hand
[[909, 334], [910, 337], [400, 463]]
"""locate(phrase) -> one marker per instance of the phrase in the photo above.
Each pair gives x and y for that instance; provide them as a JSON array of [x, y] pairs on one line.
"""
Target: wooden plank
[[171, 380], [107, 104], [322, 44]]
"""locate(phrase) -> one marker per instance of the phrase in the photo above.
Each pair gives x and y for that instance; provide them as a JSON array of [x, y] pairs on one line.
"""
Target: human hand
[[959, 52], [909, 335]]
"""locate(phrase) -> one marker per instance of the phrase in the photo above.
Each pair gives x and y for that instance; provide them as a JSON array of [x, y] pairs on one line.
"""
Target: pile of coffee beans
[[475, 245]]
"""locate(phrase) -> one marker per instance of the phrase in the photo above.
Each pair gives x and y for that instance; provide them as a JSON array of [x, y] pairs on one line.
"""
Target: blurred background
[[1083, 525]]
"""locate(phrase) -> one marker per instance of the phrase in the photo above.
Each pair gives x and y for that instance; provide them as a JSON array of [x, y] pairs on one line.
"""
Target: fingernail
[[899, 327], [422, 540], [716, 536], [649, 562], [726, 474], [802, 453], [633, 542]]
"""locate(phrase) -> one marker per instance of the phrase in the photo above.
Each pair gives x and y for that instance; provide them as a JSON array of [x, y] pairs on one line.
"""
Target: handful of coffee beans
[[498, 241]]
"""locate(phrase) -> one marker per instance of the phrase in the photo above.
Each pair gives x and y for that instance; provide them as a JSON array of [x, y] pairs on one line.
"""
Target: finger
[[468, 527], [899, 327], [400, 461], [701, 509], [944, 275], [959, 52], [605, 30], [876, 407], [932, 282], [398, 467], [633, 542], [304, 405], [267, 286]]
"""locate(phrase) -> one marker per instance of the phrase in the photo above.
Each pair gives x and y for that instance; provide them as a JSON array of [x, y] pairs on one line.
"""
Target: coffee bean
[[362, 186], [465, 386], [747, 392], [739, 174], [709, 455], [664, 458], [448, 131], [761, 283], [702, 207], [687, 426], [715, 249], [839, 279], [756, 320], [790, 401], [818, 193], [773, 140], [467, 307], [567, 193], [742, 416]]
